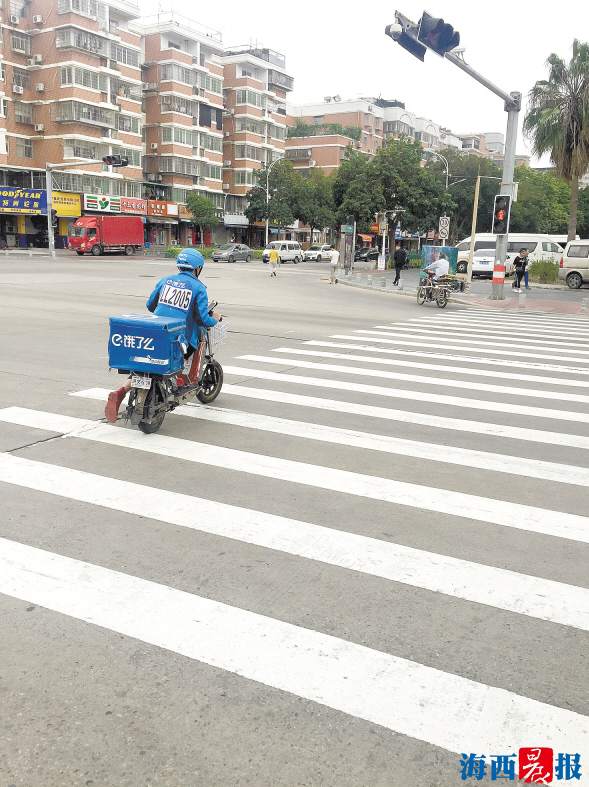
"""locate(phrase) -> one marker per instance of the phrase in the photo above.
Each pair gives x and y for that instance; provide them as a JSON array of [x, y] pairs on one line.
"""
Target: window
[[212, 172], [23, 113], [73, 148], [70, 111], [83, 77], [248, 151], [134, 156], [80, 39], [127, 90], [88, 8], [94, 184], [129, 57], [212, 84], [4, 107], [176, 104], [128, 124], [2, 72], [298, 153], [21, 78], [578, 252], [251, 126], [211, 143], [176, 164], [244, 177], [175, 73], [277, 132], [24, 148], [21, 43], [180, 135], [249, 97], [515, 246]]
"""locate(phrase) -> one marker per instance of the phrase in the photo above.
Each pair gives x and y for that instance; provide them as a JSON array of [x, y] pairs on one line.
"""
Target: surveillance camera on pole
[[435, 33]]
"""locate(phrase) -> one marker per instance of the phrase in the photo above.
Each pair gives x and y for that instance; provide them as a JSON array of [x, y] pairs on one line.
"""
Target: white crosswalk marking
[[515, 489]]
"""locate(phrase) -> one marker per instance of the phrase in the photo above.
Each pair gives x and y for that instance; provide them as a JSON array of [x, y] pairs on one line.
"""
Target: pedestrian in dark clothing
[[520, 264], [400, 258]]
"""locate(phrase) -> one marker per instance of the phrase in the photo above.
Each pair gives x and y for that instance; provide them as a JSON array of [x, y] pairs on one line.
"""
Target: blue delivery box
[[146, 343]]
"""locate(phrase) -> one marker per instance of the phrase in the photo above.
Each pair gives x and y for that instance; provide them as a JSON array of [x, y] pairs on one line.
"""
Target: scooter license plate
[[138, 381]]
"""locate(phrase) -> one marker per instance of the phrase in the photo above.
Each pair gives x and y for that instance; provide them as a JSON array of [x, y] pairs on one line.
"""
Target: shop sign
[[101, 203], [184, 213], [66, 204], [133, 205], [156, 207], [30, 202]]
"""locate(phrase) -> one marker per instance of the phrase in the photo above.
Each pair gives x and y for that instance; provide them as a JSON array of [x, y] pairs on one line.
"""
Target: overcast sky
[[336, 48]]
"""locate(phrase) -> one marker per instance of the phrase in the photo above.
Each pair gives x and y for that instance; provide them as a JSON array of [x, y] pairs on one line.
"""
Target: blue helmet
[[190, 260]]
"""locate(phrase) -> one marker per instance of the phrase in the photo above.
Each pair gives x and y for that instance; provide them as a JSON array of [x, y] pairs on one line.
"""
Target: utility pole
[[113, 161], [435, 34], [268, 169]]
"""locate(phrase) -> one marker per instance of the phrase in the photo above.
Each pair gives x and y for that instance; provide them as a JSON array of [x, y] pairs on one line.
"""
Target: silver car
[[231, 252], [318, 252]]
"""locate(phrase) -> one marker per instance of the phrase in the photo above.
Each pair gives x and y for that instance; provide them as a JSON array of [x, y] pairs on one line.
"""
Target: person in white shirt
[[333, 263], [438, 268]]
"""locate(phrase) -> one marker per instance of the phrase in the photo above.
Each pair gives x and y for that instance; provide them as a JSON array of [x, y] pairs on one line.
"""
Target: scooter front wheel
[[212, 382]]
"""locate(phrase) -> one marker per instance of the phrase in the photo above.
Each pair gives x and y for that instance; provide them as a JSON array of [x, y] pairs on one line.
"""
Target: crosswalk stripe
[[405, 364], [482, 359], [440, 382], [532, 317], [522, 594], [454, 332], [435, 335], [422, 702], [465, 457], [428, 498], [407, 341], [480, 326], [387, 414], [417, 396]]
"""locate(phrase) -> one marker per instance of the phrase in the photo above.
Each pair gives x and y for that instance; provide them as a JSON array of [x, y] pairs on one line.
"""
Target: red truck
[[102, 234]]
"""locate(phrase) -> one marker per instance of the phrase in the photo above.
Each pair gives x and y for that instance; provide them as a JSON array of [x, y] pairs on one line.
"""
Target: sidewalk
[[552, 298]]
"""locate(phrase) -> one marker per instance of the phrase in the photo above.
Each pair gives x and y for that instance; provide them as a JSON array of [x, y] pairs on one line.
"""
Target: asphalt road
[[366, 558]]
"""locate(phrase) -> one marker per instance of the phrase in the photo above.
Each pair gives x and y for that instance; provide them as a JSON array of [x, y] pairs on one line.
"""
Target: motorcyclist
[[439, 268], [179, 295]]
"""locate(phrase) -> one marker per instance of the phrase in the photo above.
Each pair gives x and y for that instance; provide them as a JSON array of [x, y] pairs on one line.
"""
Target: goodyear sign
[[66, 204], [30, 202]]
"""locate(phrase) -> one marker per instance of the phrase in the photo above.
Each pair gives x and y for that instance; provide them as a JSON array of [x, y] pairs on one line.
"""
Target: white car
[[288, 251], [483, 262], [317, 253]]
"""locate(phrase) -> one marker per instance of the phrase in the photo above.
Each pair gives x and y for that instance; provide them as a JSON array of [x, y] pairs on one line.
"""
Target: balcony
[[277, 79]]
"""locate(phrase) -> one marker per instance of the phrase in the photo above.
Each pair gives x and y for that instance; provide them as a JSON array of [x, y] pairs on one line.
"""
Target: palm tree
[[557, 120]]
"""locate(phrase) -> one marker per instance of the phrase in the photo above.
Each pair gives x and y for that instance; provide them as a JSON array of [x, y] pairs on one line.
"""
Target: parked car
[[231, 252], [540, 248], [574, 264], [318, 253], [288, 251], [368, 253]]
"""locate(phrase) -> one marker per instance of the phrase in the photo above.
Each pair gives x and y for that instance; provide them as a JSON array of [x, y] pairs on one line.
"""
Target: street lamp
[[268, 170], [443, 159], [112, 161]]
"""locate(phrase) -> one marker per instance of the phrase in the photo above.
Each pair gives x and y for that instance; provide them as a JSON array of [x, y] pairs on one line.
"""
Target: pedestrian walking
[[400, 258], [273, 260], [333, 263], [520, 265]]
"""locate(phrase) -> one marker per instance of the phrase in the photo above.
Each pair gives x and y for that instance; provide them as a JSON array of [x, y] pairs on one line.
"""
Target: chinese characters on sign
[[536, 765], [31, 202]]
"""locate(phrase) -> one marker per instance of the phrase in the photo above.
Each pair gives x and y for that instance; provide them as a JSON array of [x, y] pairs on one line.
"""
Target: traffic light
[[406, 36], [436, 34], [501, 212], [115, 161]]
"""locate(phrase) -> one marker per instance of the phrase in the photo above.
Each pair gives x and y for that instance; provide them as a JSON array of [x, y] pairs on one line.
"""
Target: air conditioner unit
[[18, 89], [226, 186], [40, 87], [14, 19], [30, 61], [37, 19], [153, 146], [37, 59], [39, 127], [227, 163], [226, 133]]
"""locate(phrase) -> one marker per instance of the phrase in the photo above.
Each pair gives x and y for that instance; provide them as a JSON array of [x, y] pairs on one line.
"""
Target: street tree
[[542, 204], [282, 190], [356, 190], [204, 213], [557, 120], [314, 201]]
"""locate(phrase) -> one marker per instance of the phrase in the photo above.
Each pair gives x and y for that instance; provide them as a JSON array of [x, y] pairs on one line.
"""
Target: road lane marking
[[522, 594], [414, 396], [433, 452], [405, 364], [471, 359], [388, 414], [444, 345], [441, 382], [438, 707], [403, 493]]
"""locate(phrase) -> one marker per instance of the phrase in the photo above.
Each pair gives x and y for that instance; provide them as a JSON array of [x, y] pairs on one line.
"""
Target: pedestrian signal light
[[438, 35], [501, 211]]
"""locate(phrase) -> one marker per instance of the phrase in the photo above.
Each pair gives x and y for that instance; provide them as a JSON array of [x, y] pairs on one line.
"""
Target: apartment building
[[71, 73], [256, 87], [183, 88], [323, 151], [363, 114]]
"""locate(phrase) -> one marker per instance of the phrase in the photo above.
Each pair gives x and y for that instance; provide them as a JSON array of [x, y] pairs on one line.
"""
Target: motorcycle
[[163, 374]]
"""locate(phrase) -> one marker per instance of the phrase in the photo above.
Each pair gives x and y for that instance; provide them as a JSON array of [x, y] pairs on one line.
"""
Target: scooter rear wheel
[[146, 426]]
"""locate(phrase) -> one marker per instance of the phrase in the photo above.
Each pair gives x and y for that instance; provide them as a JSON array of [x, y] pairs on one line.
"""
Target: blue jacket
[[183, 295]]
